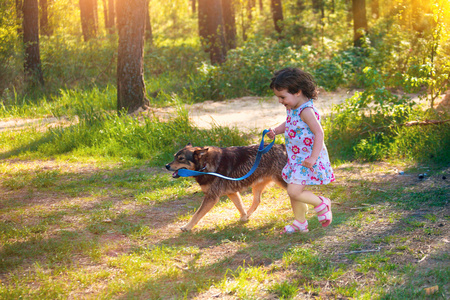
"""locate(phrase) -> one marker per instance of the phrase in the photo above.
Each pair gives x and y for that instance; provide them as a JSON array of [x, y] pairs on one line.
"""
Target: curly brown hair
[[294, 80]]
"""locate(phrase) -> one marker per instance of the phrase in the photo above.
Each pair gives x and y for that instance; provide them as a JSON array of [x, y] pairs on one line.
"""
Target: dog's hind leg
[[257, 190], [207, 204], [237, 200]]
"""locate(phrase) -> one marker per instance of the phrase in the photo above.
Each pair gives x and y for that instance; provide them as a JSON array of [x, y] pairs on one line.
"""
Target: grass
[[87, 210], [102, 230]]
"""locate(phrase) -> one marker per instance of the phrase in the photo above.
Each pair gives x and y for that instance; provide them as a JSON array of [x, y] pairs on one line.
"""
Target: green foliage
[[247, 70], [370, 126], [106, 134], [284, 290], [10, 53]]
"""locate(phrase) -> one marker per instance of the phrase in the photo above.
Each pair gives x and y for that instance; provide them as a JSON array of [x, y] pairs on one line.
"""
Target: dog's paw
[[184, 229], [244, 218]]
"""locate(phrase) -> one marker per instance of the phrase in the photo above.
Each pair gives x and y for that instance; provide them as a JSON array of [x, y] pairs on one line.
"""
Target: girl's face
[[290, 101]]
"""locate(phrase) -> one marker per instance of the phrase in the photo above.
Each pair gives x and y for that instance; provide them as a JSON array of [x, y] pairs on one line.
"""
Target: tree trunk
[[229, 20], [203, 21], [88, 15], [111, 17], [211, 29], [316, 5], [44, 26], [130, 72], [193, 6], [277, 14], [359, 22], [375, 5], [216, 33], [32, 66], [148, 25], [105, 12], [250, 7], [19, 16], [300, 6]]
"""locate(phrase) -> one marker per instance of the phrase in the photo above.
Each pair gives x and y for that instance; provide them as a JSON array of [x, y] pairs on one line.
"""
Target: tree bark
[[193, 6], [216, 32], [211, 29], [131, 94], [203, 21], [32, 66], [88, 15], [359, 22], [229, 20], [111, 17], [277, 14]]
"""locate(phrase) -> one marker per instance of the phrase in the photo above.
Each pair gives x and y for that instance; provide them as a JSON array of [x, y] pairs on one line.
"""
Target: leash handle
[[261, 151]]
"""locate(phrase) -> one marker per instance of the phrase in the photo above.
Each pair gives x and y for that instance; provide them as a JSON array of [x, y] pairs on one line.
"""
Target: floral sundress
[[299, 141]]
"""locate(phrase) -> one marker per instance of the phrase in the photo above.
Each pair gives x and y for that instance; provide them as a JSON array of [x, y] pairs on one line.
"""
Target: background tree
[[193, 6], [43, 18], [19, 15], [105, 12], [277, 14], [359, 22], [111, 22], [131, 95], [211, 29], [229, 20], [148, 25], [32, 66], [203, 22], [375, 9], [88, 15], [216, 32]]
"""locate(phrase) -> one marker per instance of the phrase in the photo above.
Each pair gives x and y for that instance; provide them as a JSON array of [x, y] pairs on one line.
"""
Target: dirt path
[[247, 113], [254, 112]]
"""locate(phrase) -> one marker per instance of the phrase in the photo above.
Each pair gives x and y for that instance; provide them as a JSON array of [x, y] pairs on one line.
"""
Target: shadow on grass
[[69, 216], [222, 250]]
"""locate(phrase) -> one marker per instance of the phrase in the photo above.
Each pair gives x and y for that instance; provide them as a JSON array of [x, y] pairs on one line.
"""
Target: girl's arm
[[309, 117], [277, 130]]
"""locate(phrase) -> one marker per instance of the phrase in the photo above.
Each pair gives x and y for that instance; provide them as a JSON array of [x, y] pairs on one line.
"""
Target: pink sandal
[[296, 226], [327, 216]]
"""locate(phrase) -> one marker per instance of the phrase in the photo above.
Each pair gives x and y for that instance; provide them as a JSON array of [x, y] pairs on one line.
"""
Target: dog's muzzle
[[174, 174]]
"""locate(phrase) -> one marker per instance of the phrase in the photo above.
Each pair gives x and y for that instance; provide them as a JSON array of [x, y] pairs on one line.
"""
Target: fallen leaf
[[431, 290]]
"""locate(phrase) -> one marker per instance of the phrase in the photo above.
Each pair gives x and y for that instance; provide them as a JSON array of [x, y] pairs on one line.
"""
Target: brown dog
[[231, 162]]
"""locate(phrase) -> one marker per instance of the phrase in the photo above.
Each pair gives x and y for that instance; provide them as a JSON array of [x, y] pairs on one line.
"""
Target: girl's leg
[[298, 207], [299, 197]]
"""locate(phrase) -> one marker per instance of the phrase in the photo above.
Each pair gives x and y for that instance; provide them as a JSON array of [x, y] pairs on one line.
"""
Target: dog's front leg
[[237, 200], [208, 202]]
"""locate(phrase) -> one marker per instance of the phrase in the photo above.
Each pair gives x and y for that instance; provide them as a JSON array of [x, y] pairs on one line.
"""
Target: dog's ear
[[200, 152], [189, 144]]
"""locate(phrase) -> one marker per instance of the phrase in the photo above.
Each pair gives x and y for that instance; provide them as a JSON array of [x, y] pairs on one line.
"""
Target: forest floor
[[382, 240], [245, 113]]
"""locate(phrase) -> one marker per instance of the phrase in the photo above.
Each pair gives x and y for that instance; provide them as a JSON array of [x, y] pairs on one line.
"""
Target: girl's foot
[[324, 212], [296, 226]]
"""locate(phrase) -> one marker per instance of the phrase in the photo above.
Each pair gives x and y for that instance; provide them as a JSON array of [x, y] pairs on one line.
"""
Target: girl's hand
[[271, 134], [309, 162]]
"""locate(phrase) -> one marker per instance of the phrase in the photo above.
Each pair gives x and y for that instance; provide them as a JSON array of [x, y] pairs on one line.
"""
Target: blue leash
[[261, 151]]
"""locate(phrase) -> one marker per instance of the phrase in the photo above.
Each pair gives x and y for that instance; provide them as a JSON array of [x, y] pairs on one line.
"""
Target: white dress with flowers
[[299, 143]]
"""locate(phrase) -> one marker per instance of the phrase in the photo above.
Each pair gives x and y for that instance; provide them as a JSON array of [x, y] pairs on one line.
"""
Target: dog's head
[[191, 158]]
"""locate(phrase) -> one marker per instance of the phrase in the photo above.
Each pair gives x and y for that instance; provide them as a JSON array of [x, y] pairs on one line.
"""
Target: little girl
[[308, 162]]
